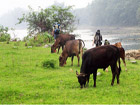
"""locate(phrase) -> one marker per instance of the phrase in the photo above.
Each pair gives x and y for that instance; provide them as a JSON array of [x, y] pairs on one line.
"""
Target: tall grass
[[23, 80]]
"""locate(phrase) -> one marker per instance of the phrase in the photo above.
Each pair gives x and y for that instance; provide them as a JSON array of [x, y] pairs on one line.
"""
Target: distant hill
[[82, 15], [10, 19]]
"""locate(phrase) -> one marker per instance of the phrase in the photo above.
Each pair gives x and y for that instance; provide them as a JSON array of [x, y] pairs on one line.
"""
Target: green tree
[[4, 35], [44, 19]]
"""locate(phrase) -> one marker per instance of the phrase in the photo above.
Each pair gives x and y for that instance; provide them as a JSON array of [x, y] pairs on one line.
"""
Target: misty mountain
[[110, 13], [82, 15], [10, 19]]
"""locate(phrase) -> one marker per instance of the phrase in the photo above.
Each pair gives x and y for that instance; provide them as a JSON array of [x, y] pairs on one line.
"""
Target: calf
[[99, 57], [60, 41], [72, 48]]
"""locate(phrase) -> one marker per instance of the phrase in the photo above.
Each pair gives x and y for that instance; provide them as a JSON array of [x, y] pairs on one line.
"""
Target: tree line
[[110, 13]]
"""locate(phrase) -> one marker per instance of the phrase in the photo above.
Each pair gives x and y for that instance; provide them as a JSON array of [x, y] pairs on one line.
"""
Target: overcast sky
[[8, 5]]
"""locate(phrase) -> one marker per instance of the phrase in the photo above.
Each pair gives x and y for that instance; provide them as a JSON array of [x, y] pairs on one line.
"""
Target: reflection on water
[[128, 41]]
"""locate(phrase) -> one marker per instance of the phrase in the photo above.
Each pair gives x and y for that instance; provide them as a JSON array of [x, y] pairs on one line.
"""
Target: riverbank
[[113, 30], [132, 54]]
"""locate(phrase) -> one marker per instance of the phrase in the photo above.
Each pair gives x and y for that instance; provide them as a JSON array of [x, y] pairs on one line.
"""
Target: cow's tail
[[119, 69], [81, 47]]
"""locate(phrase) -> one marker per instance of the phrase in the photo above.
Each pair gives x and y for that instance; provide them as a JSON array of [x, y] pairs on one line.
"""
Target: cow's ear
[[77, 73]]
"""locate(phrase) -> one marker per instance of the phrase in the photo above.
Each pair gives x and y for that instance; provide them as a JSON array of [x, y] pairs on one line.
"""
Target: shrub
[[39, 39], [17, 43], [49, 64]]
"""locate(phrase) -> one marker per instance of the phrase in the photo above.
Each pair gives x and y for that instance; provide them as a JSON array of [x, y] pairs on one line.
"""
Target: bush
[[17, 43], [49, 64], [39, 39]]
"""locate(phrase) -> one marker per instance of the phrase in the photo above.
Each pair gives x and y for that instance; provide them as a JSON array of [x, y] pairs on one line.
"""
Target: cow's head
[[53, 49], [62, 61], [55, 45], [118, 44], [81, 79]]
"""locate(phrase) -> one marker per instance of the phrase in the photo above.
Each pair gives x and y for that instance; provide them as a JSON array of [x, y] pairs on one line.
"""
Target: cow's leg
[[113, 78], [87, 79], [84, 85], [65, 61], [72, 60], [58, 49], [78, 59], [62, 47], [124, 64], [118, 74], [113, 69], [122, 55], [94, 77]]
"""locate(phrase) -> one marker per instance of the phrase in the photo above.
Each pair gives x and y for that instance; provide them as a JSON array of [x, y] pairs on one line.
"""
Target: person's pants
[[98, 44], [55, 36]]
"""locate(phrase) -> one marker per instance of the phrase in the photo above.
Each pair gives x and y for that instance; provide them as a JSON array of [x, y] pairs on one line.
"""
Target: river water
[[129, 42]]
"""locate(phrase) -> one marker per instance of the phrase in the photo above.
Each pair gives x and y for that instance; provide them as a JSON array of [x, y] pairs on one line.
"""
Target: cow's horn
[[77, 73]]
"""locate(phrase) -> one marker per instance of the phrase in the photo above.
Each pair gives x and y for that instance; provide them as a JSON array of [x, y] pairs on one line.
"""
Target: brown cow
[[122, 53], [99, 57], [71, 49], [60, 41]]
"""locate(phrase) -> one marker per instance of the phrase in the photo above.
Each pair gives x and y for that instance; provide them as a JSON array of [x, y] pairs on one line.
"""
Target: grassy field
[[23, 80]]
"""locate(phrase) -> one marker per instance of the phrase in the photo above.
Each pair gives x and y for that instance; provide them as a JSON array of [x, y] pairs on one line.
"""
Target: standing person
[[106, 42], [56, 30], [97, 39]]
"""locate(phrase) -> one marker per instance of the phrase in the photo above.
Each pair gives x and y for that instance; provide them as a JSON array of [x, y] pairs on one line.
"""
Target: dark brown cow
[[60, 41], [99, 57], [71, 49]]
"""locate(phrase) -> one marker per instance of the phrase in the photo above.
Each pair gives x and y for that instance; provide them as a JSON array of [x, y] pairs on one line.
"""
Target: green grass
[[23, 80]]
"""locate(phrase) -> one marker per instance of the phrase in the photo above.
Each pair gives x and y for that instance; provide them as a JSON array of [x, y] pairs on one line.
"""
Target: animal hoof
[[118, 83], [94, 86]]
